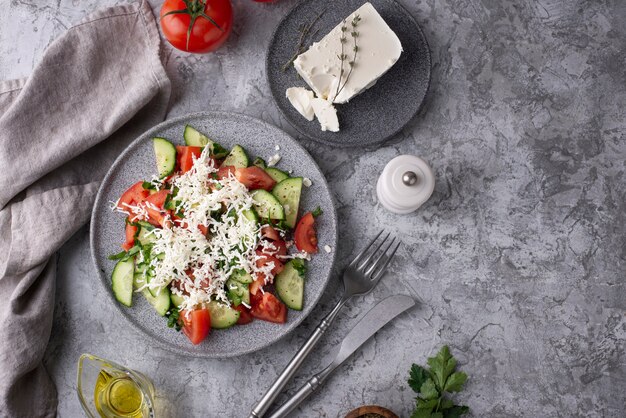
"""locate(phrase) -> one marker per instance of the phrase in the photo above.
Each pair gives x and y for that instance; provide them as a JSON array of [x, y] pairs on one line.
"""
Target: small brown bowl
[[371, 411]]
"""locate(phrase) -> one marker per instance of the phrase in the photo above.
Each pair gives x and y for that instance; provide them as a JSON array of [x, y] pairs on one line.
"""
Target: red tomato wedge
[[267, 259], [244, 315], [269, 308], [196, 325], [225, 171], [158, 198], [157, 217], [135, 194], [281, 247], [270, 233], [305, 236], [185, 156], [255, 178], [257, 284], [131, 230]]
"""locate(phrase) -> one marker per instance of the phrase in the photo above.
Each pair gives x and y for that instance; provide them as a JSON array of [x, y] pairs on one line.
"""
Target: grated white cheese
[[327, 248], [199, 266], [307, 182], [277, 147]]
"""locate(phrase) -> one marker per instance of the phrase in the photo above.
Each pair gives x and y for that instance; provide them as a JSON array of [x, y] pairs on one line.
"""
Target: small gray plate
[[259, 139], [378, 113]]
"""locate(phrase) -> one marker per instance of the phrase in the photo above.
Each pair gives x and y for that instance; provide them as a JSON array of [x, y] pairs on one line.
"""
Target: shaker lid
[[405, 184]]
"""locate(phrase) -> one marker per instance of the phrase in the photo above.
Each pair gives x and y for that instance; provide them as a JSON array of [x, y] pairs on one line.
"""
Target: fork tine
[[377, 262], [381, 272], [365, 262], [360, 255]]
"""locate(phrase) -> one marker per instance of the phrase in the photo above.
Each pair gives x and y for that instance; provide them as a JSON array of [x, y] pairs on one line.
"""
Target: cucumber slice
[[195, 138], [222, 315], [276, 174], [251, 215], [290, 287], [237, 292], [138, 279], [176, 300], [160, 302], [267, 206], [145, 236], [237, 158], [242, 276], [259, 162], [165, 153], [122, 281], [288, 194]]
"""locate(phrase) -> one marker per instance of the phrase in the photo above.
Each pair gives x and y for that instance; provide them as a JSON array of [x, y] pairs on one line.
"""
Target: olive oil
[[109, 390], [117, 395]]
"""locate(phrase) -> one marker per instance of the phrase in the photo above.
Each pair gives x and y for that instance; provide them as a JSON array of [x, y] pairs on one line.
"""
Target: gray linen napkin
[[96, 88]]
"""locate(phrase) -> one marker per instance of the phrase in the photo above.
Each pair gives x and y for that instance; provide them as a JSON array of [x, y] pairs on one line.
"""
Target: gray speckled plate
[[137, 162], [380, 112]]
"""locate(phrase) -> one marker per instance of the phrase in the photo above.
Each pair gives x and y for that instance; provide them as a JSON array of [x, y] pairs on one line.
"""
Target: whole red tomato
[[196, 25]]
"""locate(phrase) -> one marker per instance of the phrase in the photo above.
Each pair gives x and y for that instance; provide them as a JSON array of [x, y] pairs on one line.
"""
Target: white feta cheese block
[[300, 98], [378, 50], [326, 114]]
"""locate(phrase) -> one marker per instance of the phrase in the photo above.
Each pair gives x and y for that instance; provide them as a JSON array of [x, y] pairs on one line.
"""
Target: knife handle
[[266, 401], [308, 388]]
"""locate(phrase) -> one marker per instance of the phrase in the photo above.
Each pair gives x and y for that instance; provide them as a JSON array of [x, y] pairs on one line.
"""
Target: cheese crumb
[[277, 147], [273, 160], [327, 248], [307, 182]]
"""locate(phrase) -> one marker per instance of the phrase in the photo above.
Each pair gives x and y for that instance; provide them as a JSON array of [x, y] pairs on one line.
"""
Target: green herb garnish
[[317, 212], [305, 38], [432, 385], [299, 265], [148, 185], [173, 316], [355, 49]]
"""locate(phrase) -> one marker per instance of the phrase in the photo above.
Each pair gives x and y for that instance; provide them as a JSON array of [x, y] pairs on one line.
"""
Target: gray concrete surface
[[518, 259]]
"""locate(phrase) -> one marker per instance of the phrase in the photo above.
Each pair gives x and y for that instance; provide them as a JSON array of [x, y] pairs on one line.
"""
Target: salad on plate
[[214, 240]]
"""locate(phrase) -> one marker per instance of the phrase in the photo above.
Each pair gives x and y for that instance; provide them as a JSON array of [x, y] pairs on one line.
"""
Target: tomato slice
[[244, 315], [269, 308], [196, 325], [305, 236], [281, 247], [185, 156], [225, 171], [135, 194], [158, 198], [131, 230], [157, 217], [266, 259], [257, 284], [270, 233], [255, 178]]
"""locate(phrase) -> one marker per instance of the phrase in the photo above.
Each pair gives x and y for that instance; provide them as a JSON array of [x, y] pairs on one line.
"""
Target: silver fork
[[359, 278]]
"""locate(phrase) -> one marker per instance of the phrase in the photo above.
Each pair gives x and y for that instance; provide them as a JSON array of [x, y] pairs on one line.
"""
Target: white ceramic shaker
[[405, 184]]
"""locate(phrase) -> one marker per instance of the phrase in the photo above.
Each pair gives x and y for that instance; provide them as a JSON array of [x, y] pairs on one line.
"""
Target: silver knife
[[368, 325]]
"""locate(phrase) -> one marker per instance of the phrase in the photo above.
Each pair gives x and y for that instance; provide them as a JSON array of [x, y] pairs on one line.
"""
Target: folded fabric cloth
[[96, 88]]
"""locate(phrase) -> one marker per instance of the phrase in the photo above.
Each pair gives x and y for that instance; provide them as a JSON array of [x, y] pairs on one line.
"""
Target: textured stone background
[[518, 259]]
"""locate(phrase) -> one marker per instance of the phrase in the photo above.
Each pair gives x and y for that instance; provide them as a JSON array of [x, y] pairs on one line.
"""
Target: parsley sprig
[[432, 385]]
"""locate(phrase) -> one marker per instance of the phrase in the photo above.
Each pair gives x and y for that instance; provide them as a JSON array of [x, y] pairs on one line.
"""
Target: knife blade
[[377, 317], [368, 325]]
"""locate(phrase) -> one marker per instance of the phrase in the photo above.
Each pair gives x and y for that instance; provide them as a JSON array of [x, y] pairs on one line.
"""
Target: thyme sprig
[[342, 57], [305, 38]]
